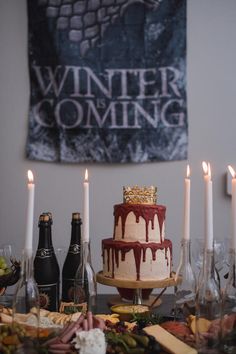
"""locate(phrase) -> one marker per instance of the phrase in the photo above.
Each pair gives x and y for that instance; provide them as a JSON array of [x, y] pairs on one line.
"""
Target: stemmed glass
[[7, 251], [220, 249], [60, 252], [5, 267]]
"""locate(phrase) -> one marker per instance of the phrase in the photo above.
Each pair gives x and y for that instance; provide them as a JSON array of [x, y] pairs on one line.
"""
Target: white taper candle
[[233, 209], [186, 226], [30, 215], [208, 207], [86, 208]]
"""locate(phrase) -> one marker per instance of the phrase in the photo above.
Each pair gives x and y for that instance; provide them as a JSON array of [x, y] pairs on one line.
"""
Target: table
[[103, 301]]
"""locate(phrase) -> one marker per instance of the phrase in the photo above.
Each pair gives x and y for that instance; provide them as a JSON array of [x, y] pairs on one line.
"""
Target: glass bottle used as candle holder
[[229, 308], [208, 308], [85, 287], [185, 289], [26, 296]]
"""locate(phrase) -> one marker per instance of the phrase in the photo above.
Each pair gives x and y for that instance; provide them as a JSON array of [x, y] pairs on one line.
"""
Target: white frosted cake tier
[[136, 261], [136, 222]]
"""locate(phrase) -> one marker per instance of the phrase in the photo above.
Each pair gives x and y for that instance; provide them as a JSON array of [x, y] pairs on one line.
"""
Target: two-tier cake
[[138, 249]]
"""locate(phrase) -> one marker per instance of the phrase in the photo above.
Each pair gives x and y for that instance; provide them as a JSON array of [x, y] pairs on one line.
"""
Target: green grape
[[3, 263]]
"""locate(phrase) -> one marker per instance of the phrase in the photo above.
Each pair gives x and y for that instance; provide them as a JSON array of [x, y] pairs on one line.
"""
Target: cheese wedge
[[169, 342]]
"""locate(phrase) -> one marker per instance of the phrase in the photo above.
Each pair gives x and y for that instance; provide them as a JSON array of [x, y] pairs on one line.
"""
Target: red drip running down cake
[[138, 249]]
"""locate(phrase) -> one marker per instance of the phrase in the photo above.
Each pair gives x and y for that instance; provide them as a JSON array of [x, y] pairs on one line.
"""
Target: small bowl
[[126, 311]]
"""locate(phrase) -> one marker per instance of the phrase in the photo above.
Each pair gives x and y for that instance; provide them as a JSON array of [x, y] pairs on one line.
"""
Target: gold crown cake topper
[[140, 195]]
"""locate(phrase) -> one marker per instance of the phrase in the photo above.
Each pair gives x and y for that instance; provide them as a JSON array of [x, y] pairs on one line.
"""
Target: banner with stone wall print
[[107, 80]]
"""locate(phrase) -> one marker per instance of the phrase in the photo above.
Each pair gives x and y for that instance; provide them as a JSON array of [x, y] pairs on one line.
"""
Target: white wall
[[212, 136]]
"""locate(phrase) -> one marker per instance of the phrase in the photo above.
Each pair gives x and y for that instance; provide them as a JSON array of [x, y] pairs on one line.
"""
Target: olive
[[152, 340], [156, 348]]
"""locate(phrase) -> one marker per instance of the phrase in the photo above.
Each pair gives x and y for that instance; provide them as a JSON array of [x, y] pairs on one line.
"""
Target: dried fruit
[[203, 324]]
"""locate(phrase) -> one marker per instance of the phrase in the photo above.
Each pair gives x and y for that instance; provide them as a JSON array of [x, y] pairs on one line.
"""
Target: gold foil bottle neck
[[76, 216], [44, 217]]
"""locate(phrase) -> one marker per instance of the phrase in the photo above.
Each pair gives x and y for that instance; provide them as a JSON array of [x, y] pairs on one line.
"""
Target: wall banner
[[107, 80]]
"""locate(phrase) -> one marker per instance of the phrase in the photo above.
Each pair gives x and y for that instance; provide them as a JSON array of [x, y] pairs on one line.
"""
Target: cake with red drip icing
[[138, 249]]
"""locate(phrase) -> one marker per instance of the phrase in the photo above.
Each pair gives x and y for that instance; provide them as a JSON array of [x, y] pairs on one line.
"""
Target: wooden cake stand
[[138, 285]]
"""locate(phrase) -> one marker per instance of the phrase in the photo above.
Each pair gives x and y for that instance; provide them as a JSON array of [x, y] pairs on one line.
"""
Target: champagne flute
[[60, 252]]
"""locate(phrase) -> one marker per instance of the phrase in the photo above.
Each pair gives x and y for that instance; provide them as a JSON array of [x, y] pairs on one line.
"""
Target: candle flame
[[205, 167], [231, 170], [86, 175], [188, 171], [30, 176]]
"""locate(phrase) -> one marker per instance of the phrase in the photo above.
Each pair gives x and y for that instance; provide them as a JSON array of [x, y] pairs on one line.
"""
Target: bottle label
[[74, 249], [48, 296], [44, 252]]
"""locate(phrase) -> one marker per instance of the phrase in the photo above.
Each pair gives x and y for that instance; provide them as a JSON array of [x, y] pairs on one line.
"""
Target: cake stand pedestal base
[[137, 285], [117, 299]]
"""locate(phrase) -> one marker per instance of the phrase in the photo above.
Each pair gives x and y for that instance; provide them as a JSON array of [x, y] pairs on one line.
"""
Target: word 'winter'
[[74, 96]]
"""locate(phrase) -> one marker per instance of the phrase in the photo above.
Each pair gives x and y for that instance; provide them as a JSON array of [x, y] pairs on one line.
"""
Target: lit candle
[[233, 208], [205, 170], [86, 208], [208, 206], [30, 215], [186, 231]]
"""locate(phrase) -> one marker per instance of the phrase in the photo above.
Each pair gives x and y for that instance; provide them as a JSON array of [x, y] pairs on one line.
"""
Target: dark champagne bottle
[[72, 260], [46, 268]]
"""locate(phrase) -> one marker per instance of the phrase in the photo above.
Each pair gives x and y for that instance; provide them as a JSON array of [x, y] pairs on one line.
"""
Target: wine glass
[[10, 253], [220, 259], [5, 264], [219, 252], [7, 250], [197, 254]]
